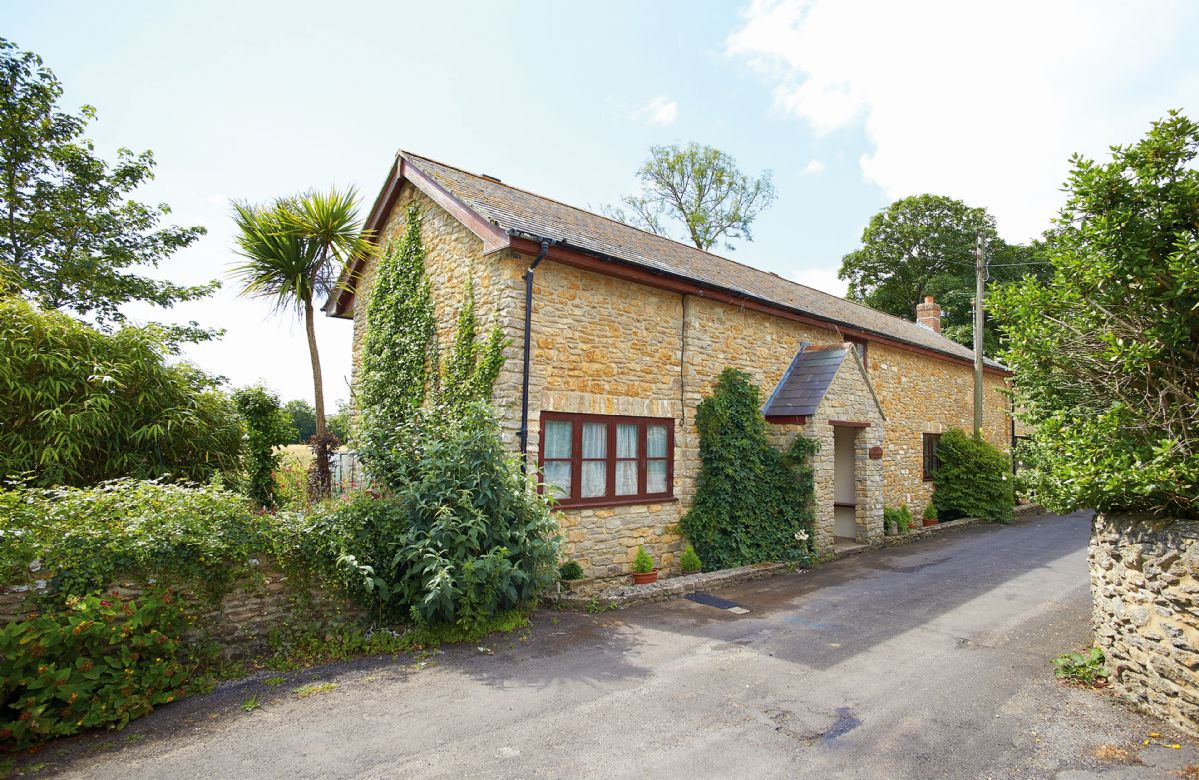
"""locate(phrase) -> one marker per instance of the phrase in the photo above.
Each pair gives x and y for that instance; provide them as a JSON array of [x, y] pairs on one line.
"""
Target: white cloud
[[660, 111], [813, 168], [980, 101]]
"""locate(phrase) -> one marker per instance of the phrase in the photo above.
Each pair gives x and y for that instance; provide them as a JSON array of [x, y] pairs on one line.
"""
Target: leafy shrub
[[752, 502], [898, 517], [78, 406], [690, 562], [268, 426], [464, 537], [930, 511], [1085, 668], [972, 480], [100, 662], [1106, 370], [571, 570], [291, 478], [643, 562], [79, 538]]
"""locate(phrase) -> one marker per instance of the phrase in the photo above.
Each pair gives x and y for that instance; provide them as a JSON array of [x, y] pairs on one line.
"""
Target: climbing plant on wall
[[752, 503], [402, 372]]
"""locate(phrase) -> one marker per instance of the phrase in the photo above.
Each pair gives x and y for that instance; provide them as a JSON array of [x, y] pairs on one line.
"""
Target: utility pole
[[980, 275]]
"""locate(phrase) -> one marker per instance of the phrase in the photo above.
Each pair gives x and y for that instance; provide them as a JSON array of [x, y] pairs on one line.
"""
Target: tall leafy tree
[[924, 245], [293, 251], [70, 237], [303, 420], [699, 187], [1104, 350]]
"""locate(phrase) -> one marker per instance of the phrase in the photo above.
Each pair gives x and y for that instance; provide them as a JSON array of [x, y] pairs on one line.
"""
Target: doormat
[[708, 600]]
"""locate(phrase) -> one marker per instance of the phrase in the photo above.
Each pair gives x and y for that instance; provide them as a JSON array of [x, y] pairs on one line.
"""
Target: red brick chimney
[[928, 314]]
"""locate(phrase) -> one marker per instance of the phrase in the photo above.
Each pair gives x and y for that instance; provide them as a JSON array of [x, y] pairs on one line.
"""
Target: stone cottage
[[618, 334]]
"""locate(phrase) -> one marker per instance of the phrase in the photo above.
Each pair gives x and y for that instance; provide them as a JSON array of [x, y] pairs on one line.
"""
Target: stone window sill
[[631, 501]]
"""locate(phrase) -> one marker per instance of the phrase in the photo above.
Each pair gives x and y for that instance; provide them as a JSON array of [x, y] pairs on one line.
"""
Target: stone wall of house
[[606, 346], [919, 395], [240, 622], [1145, 586]]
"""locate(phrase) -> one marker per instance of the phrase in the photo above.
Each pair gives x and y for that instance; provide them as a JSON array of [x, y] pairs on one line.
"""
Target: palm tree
[[294, 250]]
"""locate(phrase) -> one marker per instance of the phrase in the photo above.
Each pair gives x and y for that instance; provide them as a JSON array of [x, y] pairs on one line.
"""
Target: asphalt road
[[927, 660]]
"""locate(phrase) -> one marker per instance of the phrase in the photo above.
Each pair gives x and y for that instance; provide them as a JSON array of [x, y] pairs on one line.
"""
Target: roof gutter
[[760, 303]]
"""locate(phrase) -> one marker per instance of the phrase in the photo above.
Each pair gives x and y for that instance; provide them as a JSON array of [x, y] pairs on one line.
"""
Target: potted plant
[[891, 521], [644, 571], [930, 515], [903, 521], [690, 562]]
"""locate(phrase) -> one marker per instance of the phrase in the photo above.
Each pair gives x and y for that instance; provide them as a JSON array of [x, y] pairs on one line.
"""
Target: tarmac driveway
[[925, 660]]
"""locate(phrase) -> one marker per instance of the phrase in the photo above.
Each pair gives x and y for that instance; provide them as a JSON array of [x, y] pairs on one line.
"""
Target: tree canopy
[[70, 237], [700, 188], [1104, 349], [303, 420], [924, 245], [78, 406]]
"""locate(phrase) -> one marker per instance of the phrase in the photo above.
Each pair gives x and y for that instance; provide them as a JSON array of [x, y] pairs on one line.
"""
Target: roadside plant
[[973, 479], [1106, 367], [571, 570], [643, 562], [268, 427], [101, 661], [462, 537], [930, 511], [79, 539], [690, 562], [251, 703], [898, 517], [1085, 668], [750, 498]]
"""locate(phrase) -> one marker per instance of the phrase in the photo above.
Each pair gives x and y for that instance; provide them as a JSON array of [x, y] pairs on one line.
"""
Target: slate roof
[[518, 211], [801, 389]]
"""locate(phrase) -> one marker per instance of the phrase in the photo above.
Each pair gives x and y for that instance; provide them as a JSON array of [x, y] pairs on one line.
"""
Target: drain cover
[[708, 600]]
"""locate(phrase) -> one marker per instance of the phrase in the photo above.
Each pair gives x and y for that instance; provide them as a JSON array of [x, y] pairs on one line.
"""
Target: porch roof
[[802, 388]]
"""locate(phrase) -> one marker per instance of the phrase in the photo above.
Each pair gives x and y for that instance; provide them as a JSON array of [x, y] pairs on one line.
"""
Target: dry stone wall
[[1145, 586], [239, 622]]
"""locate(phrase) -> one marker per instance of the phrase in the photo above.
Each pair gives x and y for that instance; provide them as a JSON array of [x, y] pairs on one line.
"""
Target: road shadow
[[827, 615]]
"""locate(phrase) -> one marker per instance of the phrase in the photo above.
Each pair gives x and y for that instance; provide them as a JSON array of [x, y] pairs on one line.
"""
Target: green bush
[[930, 511], [102, 661], [571, 570], [899, 517], [972, 480], [690, 562], [464, 537], [268, 427], [78, 406], [752, 503], [1085, 668], [643, 562], [1106, 369], [80, 538]]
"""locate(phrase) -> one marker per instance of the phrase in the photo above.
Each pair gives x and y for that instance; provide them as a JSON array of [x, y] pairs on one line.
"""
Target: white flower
[[801, 536], [35, 565]]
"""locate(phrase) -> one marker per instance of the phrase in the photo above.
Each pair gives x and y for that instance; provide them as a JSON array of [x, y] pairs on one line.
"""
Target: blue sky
[[850, 105]]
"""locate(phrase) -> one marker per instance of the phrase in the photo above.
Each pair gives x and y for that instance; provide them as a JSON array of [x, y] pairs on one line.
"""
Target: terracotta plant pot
[[928, 522], [645, 578]]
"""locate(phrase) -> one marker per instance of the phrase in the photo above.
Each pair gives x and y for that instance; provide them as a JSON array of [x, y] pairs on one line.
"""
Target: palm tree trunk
[[317, 383]]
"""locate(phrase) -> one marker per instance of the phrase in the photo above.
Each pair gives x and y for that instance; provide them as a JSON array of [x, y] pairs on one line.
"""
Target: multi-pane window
[[597, 459], [931, 441]]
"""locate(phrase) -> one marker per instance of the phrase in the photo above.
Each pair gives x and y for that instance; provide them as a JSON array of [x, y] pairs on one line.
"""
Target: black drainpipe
[[524, 388]]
